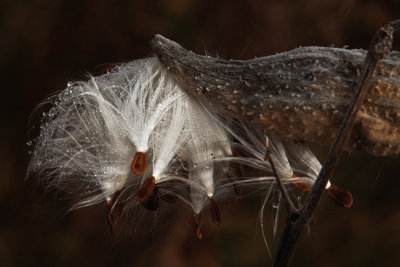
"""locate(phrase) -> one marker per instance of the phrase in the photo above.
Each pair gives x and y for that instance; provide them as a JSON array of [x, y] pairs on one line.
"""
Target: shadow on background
[[45, 44]]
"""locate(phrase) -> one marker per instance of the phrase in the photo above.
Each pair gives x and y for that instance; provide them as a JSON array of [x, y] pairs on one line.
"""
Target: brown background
[[44, 44]]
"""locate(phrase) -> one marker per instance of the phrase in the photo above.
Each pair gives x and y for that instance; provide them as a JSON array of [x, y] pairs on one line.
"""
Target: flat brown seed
[[305, 187], [114, 209], [106, 68], [139, 163], [146, 189], [214, 211], [238, 172], [342, 196], [169, 198], [153, 202], [237, 191], [110, 220], [198, 232]]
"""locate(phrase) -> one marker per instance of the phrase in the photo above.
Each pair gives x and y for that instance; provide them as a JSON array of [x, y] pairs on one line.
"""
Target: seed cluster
[[134, 139]]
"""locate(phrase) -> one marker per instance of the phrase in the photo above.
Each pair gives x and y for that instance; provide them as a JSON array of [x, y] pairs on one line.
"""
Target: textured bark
[[301, 94]]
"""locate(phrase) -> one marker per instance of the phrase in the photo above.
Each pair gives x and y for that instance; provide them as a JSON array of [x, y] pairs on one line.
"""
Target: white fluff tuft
[[135, 128], [169, 138], [91, 134], [206, 142]]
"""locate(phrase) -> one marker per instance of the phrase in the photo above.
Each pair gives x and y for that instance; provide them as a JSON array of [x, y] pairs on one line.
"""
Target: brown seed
[[169, 198], [146, 189], [106, 68], [214, 211], [237, 191], [238, 173], [198, 232], [139, 163], [114, 209], [342, 196], [153, 202], [303, 186]]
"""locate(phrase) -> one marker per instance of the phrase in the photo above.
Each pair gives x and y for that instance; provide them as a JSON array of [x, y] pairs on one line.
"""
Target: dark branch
[[302, 94], [380, 47]]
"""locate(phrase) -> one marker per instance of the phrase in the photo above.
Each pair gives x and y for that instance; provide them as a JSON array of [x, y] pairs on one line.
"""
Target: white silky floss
[[293, 162], [207, 141], [94, 129], [135, 127]]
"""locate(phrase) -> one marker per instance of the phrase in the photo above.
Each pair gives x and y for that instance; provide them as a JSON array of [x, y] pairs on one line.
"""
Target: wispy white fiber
[[90, 136], [169, 138], [305, 164], [135, 129], [207, 141], [250, 144]]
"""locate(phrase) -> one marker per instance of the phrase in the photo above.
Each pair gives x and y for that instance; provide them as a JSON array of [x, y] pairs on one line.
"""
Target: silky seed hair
[[135, 130], [250, 148], [207, 141], [307, 168], [169, 138], [91, 134], [78, 151]]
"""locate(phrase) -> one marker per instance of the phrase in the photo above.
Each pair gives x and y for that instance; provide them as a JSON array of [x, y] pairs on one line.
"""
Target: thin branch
[[379, 48], [301, 94]]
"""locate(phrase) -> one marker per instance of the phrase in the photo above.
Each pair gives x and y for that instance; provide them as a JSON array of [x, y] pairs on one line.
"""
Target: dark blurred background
[[44, 44]]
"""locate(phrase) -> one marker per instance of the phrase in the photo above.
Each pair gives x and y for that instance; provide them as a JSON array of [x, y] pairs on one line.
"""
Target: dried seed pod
[[301, 94]]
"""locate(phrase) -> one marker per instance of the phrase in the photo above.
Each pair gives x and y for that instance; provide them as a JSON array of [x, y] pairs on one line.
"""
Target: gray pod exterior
[[301, 94]]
